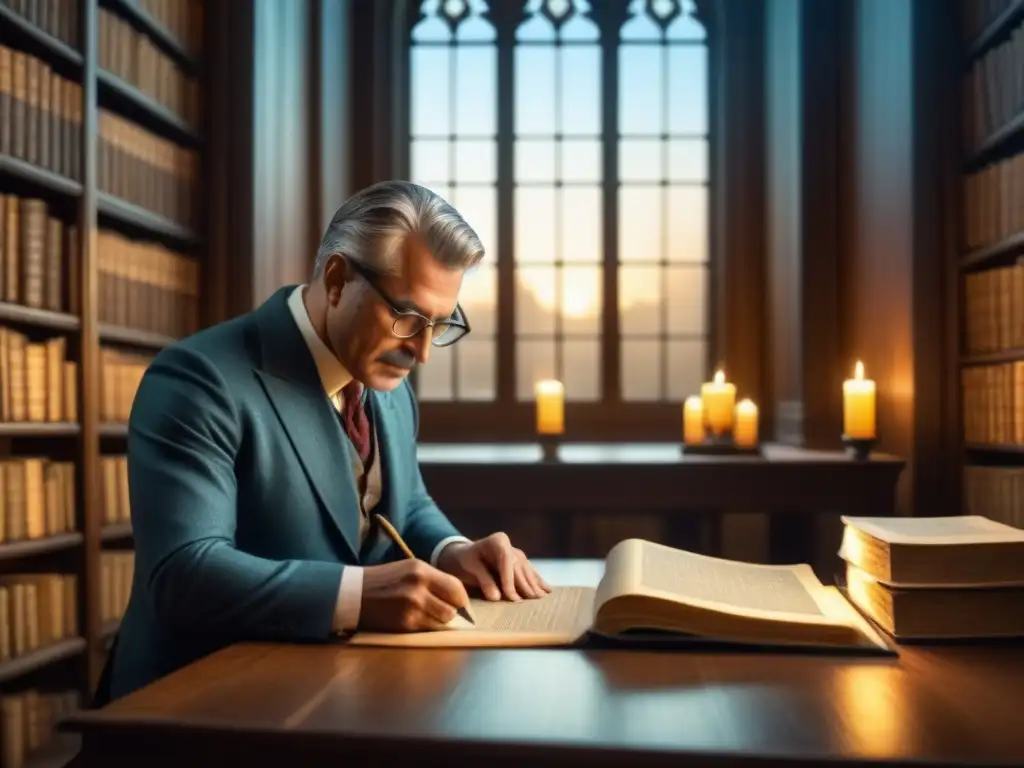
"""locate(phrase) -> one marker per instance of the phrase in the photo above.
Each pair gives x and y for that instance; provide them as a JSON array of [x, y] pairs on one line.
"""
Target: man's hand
[[495, 566], [409, 596]]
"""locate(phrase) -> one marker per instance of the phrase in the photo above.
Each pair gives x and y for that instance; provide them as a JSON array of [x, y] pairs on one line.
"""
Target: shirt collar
[[333, 375]]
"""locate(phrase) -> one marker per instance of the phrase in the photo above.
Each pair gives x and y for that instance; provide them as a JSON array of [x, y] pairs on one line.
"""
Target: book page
[[787, 592], [958, 529], [559, 618]]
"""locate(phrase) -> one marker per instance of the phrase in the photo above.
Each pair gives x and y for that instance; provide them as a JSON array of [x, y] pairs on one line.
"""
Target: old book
[[963, 550], [651, 592]]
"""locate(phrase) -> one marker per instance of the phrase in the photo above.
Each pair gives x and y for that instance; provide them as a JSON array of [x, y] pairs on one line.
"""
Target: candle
[[744, 433], [859, 406], [719, 399], [550, 407], [693, 421]]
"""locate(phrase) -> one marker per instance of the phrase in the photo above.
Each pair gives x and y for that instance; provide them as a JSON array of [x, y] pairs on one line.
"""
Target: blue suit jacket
[[244, 509]]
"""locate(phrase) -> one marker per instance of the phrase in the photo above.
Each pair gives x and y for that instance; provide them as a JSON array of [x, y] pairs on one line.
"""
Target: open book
[[652, 591]]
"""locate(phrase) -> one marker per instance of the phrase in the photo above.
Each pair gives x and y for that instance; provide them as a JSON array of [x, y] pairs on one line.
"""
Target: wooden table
[[323, 705], [486, 486]]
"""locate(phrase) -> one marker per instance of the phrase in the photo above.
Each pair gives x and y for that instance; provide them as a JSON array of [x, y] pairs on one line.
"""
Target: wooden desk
[[485, 487], [311, 706]]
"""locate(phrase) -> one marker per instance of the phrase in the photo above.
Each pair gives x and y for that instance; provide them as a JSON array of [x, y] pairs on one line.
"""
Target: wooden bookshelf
[[991, 265], [100, 260]]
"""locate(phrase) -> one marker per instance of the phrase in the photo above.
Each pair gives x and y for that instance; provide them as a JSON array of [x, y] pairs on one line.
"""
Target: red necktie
[[357, 425]]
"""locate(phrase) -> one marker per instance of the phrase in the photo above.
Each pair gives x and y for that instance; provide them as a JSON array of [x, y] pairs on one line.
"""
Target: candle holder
[[549, 449], [858, 448], [720, 445]]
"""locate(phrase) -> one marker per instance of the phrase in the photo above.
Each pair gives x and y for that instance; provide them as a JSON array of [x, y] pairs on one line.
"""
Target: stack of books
[[935, 578]]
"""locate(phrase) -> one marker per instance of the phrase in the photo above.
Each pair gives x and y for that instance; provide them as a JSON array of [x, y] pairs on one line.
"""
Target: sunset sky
[[662, 227]]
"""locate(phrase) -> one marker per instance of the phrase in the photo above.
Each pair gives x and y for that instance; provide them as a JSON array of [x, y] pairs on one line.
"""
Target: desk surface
[[328, 705]]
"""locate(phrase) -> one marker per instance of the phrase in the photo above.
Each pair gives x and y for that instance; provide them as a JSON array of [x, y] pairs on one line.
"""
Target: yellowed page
[[559, 618], [790, 593]]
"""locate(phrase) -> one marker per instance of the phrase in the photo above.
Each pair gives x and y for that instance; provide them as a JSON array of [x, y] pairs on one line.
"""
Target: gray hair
[[371, 225]]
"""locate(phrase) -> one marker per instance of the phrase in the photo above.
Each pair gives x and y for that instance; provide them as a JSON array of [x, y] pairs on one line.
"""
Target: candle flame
[[719, 377], [858, 371], [746, 405]]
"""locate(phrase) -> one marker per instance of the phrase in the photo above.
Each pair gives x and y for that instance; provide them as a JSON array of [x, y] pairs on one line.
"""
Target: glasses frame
[[457, 319]]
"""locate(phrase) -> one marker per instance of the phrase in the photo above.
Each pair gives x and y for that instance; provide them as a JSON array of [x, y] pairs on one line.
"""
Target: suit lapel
[[290, 379]]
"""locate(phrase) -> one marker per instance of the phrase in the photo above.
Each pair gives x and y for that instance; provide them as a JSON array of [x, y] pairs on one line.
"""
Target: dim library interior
[[753, 291]]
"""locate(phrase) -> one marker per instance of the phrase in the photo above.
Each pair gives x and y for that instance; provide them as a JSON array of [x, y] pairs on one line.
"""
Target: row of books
[[37, 498], [28, 721], [931, 578], [134, 57], [994, 203], [996, 493], [37, 381], [36, 610], [57, 18], [994, 91], [146, 286], [117, 568], [39, 264], [121, 375], [993, 309], [40, 114], [116, 507], [993, 404], [182, 18], [977, 15], [147, 170]]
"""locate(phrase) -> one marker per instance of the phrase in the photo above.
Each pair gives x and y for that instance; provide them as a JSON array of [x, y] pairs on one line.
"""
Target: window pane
[[641, 369], [686, 291], [688, 96], [581, 300], [641, 160], [581, 369], [688, 224], [580, 107], [640, 89], [688, 160], [475, 161], [428, 89], [535, 224], [430, 161], [640, 300], [434, 380], [581, 225], [535, 301], [535, 161], [581, 160], [535, 90], [479, 299], [479, 207], [686, 368], [640, 224], [535, 360], [477, 369], [476, 75]]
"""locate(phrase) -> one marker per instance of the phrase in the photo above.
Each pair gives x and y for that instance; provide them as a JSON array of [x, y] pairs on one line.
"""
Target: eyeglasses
[[409, 323]]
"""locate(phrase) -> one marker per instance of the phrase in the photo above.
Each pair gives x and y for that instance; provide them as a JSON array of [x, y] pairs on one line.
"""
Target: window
[[573, 136]]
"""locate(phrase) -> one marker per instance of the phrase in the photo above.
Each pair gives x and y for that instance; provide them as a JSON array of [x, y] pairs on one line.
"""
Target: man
[[260, 449]]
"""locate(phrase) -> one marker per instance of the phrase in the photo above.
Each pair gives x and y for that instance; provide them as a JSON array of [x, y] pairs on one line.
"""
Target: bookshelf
[[991, 264], [100, 260]]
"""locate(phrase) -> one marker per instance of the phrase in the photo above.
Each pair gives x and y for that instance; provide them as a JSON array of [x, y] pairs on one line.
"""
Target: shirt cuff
[[436, 554], [350, 599]]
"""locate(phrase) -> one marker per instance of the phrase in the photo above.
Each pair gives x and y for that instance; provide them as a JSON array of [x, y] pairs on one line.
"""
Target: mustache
[[400, 358]]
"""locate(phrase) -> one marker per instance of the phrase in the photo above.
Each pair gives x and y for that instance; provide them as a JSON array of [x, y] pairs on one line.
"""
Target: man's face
[[360, 321]]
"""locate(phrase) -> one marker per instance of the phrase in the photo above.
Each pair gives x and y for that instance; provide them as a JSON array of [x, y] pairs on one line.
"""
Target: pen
[[395, 537]]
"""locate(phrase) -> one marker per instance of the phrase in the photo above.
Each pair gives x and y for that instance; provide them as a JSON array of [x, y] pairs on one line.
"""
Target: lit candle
[[693, 421], [550, 407], [744, 433], [859, 405], [719, 400]]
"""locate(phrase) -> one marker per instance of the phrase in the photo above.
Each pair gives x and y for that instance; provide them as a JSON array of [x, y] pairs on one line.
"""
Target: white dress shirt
[[334, 378]]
